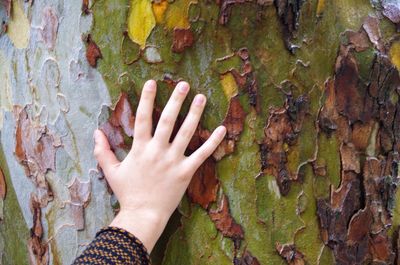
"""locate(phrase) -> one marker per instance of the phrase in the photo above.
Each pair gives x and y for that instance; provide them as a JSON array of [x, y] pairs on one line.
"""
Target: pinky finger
[[203, 152]]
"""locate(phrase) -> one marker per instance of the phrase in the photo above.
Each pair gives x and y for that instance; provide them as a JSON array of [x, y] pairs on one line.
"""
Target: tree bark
[[308, 90]]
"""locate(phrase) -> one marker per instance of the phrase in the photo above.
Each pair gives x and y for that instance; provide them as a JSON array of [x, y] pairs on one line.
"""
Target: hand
[[150, 182]]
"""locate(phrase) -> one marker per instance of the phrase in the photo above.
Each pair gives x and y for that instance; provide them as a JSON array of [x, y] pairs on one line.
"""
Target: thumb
[[103, 154]]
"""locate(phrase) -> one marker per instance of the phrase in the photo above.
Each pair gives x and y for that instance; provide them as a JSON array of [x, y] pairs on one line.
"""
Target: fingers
[[103, 154], [189, 126], [144, 112], [203, 152], [170, 113]]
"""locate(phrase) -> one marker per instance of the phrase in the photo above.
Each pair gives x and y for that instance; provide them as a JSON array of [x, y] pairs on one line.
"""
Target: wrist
[[146, 225]]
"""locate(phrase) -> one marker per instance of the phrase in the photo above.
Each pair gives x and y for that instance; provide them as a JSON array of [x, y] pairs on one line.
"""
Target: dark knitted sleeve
[[114, 246]]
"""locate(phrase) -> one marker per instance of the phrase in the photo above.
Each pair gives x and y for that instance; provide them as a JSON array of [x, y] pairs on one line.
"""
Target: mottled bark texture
[[309, 91]]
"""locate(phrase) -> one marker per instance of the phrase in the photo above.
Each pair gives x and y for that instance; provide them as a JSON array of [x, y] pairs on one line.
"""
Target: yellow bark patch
[[18, 27], [320, 7], [177, 15], [229, 85], [141, 21], [395, 54], [159, 10]]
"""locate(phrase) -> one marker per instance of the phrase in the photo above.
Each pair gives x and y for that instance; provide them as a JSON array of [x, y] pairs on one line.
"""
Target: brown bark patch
[[122, 116], [234, 123], [358, 39], [224, 222], [281, 131], [34, 146], [290, 254], [80, 193], [182, 39], [349, 100], [93, 52], [38, 250], [371, 27], [227, 5], [289, 14], [204, 184], [7, 6], [49, 27], [3, 186], [85, 7], [114, 135], [234, 120], [35, 150], [246, 259], [120, 122]]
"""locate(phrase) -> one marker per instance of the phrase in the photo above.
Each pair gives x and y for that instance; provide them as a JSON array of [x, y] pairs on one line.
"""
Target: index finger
[[143, 117]]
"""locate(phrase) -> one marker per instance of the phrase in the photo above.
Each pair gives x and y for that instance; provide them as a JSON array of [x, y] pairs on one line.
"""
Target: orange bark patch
[[204, 184]]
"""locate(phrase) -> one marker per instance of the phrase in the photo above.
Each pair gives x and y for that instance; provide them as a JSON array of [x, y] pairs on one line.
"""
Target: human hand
[[150, 182]]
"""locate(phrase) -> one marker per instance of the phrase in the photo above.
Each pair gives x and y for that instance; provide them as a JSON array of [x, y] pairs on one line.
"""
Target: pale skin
[[151, 181]]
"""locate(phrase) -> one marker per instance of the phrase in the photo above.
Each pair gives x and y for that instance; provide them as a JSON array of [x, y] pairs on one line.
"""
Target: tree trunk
[[309, 92]]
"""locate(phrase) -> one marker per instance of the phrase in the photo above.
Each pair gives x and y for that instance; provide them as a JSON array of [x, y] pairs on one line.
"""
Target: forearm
[[113, 245]]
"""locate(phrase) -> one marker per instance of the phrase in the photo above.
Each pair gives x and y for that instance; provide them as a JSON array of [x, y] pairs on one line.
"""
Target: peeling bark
[[290, 254], [35, 149], [355, 220], [281, 132], [224, 221], [38, 250], [289, 14]]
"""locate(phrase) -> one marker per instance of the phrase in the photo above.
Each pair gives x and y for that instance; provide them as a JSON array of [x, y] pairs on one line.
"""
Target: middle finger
[[170, 113]]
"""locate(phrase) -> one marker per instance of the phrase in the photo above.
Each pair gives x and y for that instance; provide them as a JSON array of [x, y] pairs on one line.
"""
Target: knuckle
[[146, 95], [166, 119], [170, 157], [203, 155], [185, 174], [141, 117], [187, 132], [170, 161]]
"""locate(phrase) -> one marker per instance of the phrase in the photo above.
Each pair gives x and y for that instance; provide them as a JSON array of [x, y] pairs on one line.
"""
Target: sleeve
[[114, 246]]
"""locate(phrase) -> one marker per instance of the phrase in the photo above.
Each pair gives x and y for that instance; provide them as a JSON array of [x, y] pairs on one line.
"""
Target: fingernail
[[183, 87], [150, 85], [221, 130], [199, 100]]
